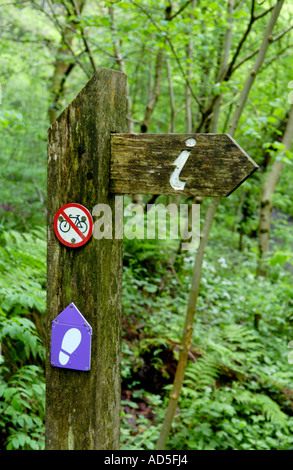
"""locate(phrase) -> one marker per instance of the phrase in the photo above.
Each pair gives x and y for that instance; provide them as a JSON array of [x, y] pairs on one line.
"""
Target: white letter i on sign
[[179, 163]]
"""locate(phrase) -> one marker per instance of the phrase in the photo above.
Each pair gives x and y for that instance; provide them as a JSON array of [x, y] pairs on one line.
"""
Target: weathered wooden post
[[83, 408], [90, 159]]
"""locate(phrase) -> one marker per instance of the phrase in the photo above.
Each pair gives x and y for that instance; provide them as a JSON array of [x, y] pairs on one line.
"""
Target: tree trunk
[[154, 96], [267, 199], [256, 68], [122, 66], [63, 65], [187, 335], [188, 327]]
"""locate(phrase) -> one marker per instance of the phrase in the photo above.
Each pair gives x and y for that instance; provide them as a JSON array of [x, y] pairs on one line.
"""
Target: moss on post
[[83, 408]]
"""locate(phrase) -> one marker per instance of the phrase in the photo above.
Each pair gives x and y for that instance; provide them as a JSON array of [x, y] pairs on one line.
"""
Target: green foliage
[[23, 271], [238, 391], [229, 418], [22, 300], [22, 408]]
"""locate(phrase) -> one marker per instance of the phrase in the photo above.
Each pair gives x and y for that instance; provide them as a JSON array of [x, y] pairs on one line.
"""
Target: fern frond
[[203, 372], [270, 408]]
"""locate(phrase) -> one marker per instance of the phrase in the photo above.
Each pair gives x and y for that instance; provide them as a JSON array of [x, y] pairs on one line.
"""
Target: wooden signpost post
[[90, 160]]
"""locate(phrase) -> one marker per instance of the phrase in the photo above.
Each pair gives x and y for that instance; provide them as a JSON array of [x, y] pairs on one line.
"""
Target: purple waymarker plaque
[[71, 340]]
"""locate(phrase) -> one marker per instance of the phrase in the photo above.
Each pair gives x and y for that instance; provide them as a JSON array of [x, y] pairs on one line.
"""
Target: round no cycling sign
[[73, 225]]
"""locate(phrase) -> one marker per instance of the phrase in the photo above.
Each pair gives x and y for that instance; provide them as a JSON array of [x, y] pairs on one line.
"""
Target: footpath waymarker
[[71, 340], [73, 225], [89, 150]]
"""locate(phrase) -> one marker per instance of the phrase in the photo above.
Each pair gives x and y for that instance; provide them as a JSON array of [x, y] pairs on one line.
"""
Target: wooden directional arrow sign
[[193, 164]]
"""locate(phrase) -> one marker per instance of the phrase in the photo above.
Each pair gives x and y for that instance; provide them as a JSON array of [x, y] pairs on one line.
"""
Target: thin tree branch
[[201, 108], [121, 63], [135, 82], [154, 96], [242, 41], [257, 65], [252, 54], [86, 44], [172, 49], [223, 66], [60, 29], [188, 100], [180, 10], [172, 99], [282, 33], [264, 13], [252, 20]]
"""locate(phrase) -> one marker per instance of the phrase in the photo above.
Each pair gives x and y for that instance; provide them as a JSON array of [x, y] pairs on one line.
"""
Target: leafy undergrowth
[[22, 300], [238, 387]]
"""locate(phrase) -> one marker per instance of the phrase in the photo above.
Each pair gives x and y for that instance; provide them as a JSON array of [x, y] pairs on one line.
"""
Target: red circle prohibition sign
[[73, 225]]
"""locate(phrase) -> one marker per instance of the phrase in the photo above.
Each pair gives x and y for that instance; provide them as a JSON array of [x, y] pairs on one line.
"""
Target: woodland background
[[192, 66]]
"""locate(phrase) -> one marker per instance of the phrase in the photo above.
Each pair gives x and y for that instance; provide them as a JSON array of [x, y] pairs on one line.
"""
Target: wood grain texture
[[83, 408], [143, 163]]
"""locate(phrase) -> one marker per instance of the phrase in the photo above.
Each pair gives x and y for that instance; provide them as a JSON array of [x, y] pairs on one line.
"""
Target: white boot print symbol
[[70, 343]]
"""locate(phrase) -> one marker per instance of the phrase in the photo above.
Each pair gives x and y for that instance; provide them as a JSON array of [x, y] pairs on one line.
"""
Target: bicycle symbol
[[65, 226]]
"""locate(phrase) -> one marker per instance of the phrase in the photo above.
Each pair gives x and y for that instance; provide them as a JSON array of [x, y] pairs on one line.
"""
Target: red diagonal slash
[[73, 225]]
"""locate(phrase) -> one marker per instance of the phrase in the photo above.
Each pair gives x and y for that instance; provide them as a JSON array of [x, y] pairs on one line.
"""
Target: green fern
[[23, 271], [270, 408], [22, 297], [202, 373]]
